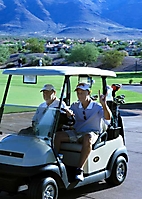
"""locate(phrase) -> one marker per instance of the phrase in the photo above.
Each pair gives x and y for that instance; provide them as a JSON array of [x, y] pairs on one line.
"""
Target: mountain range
[[72, 18]]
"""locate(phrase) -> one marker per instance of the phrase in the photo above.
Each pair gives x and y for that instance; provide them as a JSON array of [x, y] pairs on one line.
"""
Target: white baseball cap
[[47, 87], [83, 86]]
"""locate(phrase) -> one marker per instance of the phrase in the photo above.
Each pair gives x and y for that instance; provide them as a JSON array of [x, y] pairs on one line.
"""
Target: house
[[54, 48]]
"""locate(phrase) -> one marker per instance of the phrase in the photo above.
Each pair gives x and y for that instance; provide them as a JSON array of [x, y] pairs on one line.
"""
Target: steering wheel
[[65, 120]]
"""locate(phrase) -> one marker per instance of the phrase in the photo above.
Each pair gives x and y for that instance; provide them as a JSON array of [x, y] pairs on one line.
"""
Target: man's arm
[[107, 111]]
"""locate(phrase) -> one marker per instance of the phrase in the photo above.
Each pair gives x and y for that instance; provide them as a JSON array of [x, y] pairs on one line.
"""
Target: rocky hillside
[[73, 18], [125, 12]]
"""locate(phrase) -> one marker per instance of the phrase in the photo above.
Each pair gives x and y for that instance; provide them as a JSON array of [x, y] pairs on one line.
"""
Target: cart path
[[134, 88]]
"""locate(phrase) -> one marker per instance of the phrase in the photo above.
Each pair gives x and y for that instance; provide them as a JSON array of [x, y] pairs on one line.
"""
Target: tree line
[[80, 54]]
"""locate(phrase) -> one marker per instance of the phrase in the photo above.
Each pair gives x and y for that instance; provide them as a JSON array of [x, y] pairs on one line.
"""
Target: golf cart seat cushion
[[71, 153], [76, 147]]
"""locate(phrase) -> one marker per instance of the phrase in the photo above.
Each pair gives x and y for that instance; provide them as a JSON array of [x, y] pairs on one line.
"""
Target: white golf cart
[[29, 162]]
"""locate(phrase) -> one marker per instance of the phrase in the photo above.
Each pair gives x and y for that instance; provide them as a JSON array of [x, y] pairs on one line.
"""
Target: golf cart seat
[[71, 151], [76, 147]]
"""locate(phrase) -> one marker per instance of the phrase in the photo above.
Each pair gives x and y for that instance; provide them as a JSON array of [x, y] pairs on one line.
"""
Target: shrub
[[4, 54], [47, 60], [34, 61], [130, 81], [23, 58], [62, 53], [112, 58]]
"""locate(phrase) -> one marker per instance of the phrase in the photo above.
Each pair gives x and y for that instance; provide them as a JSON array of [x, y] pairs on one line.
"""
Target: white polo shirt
[[43, 107], [89, 119]]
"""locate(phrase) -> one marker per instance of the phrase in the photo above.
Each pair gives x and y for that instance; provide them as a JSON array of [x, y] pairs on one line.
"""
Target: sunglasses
[[84, 115]]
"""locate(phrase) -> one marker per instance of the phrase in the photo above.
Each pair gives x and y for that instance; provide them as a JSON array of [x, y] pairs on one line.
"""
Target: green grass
[[18, 109], [25, 94], [129, 75]]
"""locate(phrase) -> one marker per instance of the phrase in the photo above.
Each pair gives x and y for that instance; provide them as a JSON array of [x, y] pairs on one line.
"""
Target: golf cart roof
[[59, 70]]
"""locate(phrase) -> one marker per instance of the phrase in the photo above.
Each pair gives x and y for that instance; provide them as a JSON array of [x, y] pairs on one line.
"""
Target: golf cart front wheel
[[119, 171], [44, 189]]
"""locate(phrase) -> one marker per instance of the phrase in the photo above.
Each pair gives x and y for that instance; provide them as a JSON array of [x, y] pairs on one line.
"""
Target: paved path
[[132, 88]]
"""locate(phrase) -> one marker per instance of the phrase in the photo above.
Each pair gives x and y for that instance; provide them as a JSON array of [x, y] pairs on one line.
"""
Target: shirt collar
[[90, 105]]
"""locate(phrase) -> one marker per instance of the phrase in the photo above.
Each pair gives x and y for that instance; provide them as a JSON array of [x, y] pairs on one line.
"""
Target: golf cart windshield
[[18, 120], [47, 123]]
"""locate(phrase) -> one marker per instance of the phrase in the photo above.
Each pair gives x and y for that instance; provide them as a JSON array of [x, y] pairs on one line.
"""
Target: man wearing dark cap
[[88, 116]]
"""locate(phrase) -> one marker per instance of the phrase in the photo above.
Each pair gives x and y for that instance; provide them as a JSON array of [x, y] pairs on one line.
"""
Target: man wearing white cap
[[88, 116], [49, 95]]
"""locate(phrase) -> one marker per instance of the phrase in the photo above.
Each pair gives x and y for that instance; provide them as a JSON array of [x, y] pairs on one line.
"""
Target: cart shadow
[[22, 195], [128, 113], [83, 191]]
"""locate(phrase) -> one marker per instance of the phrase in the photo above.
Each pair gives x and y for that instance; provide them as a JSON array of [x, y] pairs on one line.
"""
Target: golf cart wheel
[[47, 189], [44, 189], [119, 172]]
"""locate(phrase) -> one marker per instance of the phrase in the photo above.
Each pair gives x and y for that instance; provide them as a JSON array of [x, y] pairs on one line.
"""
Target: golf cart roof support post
[[52, 143], [104, 83], [59, 107], [5, 96], [66, 82], [68, 92]]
